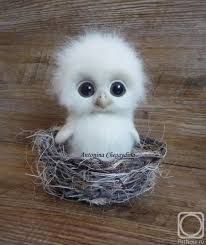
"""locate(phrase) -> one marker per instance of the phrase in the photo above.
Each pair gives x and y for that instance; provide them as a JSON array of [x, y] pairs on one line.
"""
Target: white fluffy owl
[[100, 80]]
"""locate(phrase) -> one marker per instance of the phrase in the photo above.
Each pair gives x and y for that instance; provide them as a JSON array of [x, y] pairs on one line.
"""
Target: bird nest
[[93, 180]]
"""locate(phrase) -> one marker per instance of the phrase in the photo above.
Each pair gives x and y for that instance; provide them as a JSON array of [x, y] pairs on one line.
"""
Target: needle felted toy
[[100, 80], [98, 156]]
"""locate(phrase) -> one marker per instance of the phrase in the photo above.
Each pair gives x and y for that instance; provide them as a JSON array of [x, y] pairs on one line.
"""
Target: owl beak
[[103, 101]]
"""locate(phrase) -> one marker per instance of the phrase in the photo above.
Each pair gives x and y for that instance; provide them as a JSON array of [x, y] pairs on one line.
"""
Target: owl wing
[[65, 132], [135, 135]]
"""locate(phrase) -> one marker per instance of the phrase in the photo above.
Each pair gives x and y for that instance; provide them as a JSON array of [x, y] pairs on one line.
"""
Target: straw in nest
[[93, 180]]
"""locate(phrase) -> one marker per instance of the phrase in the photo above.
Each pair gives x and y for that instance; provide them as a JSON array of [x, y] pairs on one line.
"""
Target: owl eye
[[86, 89], [117, 88]]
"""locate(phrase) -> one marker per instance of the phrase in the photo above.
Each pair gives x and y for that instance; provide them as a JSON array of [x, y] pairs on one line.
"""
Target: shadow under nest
[[93, 180]]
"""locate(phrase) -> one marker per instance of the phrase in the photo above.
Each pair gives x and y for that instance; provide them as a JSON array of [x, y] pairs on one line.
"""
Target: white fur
[[101, 58]]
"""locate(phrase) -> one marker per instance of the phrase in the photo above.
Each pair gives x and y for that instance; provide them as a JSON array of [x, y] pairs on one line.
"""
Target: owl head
[[99, 73]]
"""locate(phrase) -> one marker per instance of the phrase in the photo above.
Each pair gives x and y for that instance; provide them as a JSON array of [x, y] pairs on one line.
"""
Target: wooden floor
[[171, 36]]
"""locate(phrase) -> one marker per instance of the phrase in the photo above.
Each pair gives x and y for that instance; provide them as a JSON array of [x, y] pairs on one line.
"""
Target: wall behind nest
[[171, 36]]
